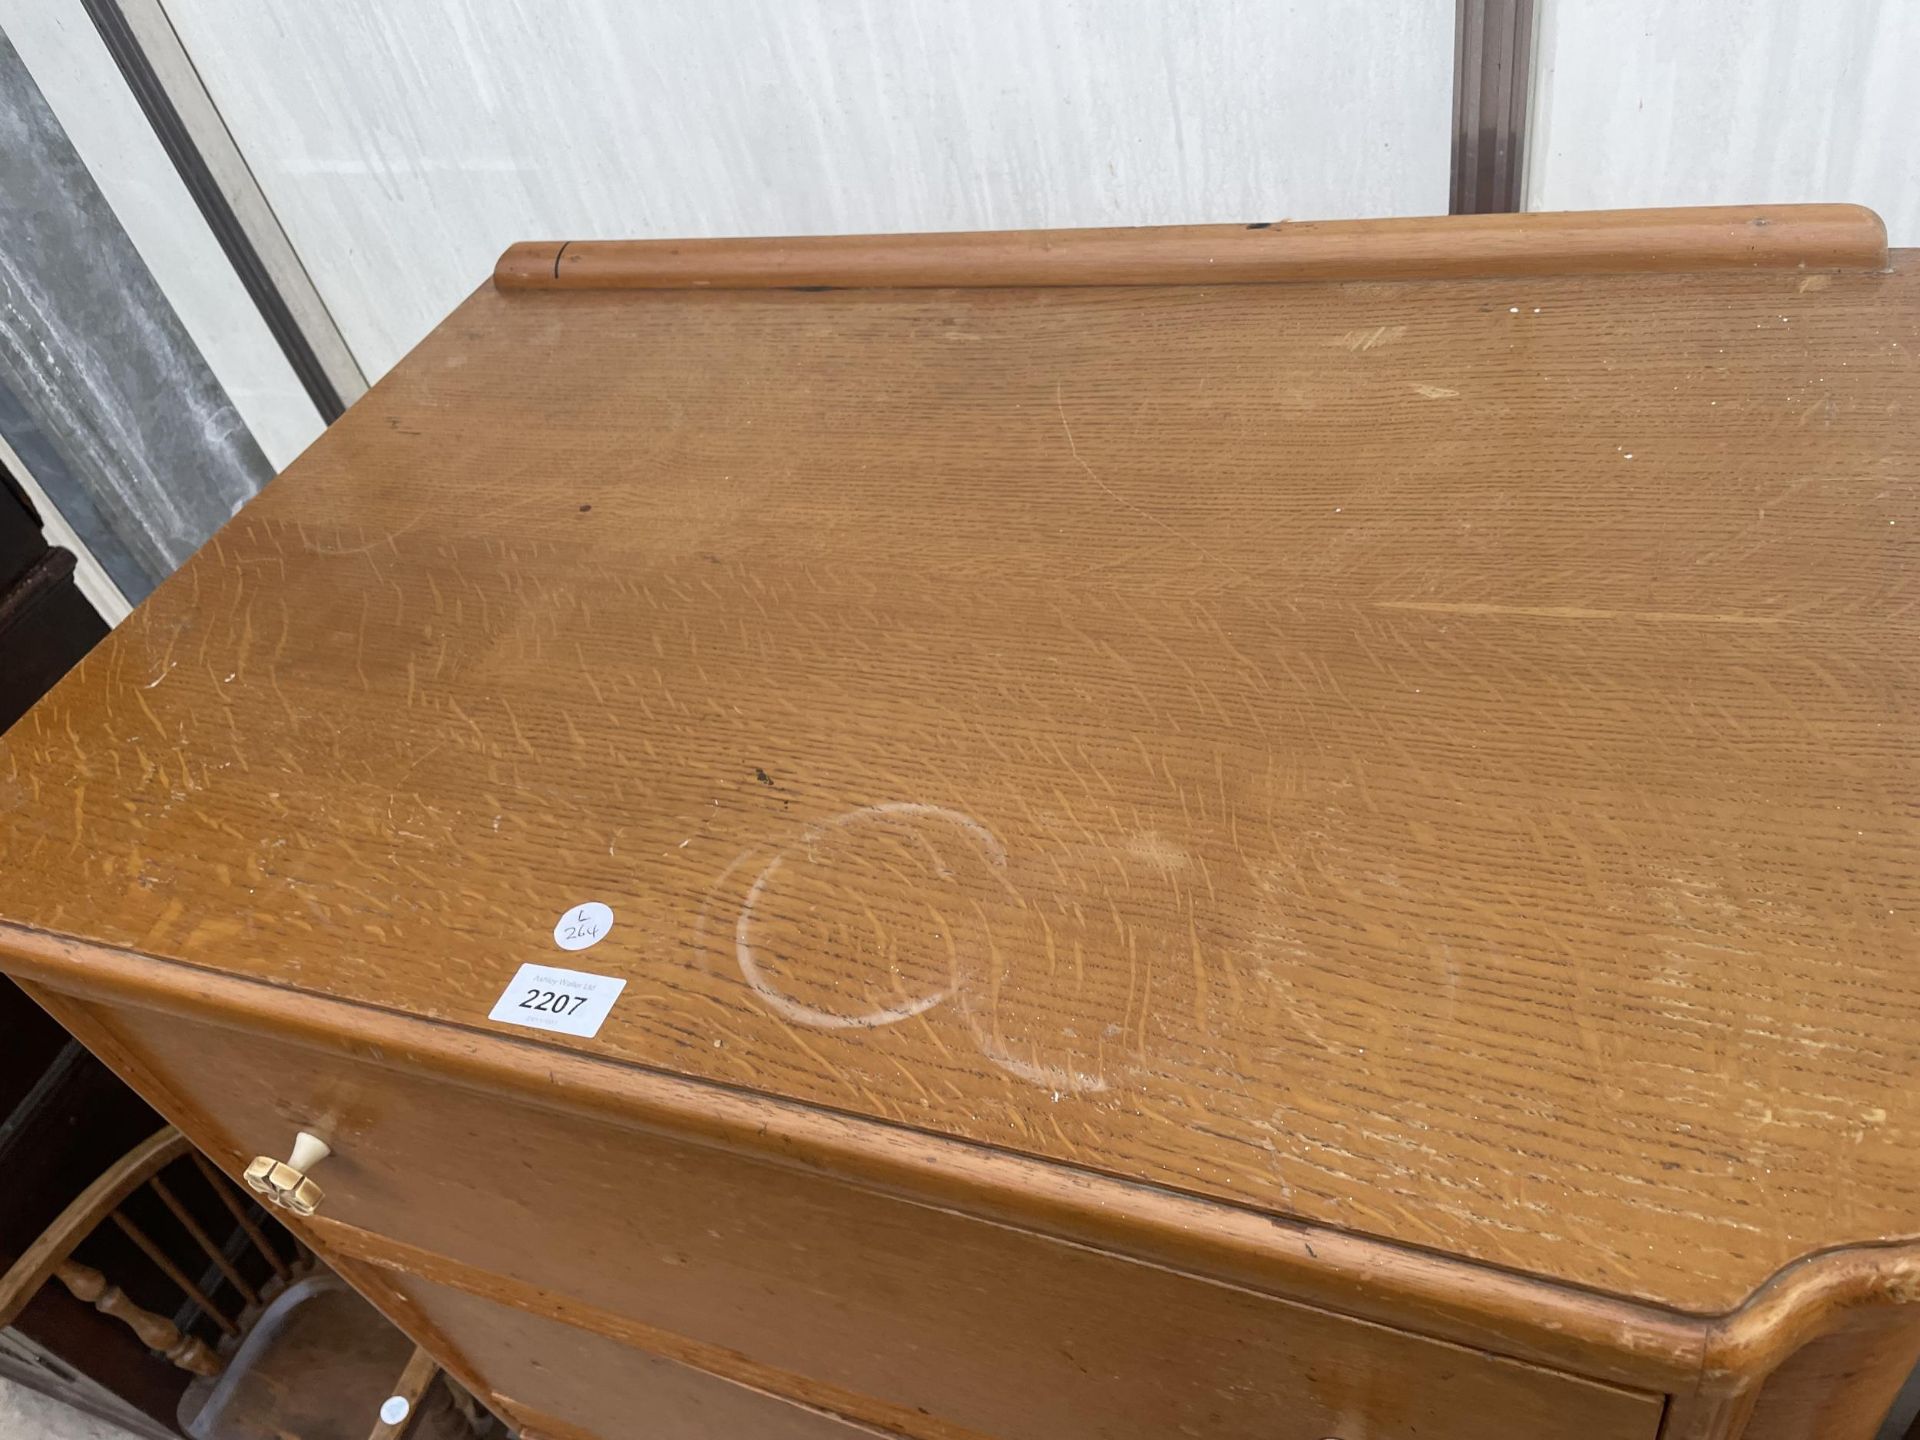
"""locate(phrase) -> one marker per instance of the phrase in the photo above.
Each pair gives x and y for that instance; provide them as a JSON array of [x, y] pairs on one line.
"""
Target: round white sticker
[[394, 1409], [583, 925]]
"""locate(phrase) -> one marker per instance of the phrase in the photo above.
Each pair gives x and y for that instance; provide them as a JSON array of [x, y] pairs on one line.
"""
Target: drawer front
[[970, 1323], [553, 1379]]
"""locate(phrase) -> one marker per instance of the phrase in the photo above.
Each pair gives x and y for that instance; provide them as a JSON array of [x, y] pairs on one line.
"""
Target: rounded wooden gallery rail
[[1594, 242]]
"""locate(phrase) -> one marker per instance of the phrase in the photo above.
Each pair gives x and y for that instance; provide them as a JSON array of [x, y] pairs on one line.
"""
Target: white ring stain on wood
[[785, 1005], [1055, 1078]]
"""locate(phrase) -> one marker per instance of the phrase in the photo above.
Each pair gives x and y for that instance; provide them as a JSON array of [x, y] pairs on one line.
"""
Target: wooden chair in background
[[51, 1257], [340, 1346]]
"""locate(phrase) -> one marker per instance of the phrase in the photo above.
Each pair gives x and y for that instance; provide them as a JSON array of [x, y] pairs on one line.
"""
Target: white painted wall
[[83, 87], [1704, 102], [404, 145]]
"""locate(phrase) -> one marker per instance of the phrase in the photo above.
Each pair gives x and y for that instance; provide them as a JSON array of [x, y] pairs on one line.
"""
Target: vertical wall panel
[[405, 145], [102, 391], [1701, 102], [104, 124]]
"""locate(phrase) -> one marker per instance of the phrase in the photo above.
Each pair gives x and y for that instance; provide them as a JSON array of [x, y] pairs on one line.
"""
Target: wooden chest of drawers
[[1273, 832]]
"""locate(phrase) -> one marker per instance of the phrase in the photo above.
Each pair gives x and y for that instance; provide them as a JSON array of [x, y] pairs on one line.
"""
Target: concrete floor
[[28, 1415]]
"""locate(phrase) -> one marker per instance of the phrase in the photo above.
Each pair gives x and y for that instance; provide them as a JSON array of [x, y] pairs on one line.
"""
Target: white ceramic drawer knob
[[284, 1182]]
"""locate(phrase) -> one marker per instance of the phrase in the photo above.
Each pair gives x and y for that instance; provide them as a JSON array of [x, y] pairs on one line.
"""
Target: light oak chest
[[1279, 831]]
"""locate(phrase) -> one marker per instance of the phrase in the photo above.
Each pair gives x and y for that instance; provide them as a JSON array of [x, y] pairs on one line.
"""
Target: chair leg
[[155, 1331]]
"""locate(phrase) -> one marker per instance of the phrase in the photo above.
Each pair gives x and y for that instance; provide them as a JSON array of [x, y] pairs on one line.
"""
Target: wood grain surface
[[594, 1387], [1741, 237], [1431, 759], [795, 1281], [1433, 1390], [1627, 1342]]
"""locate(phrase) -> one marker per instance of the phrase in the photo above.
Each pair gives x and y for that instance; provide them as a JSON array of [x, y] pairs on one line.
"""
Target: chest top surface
[[1431, 757]]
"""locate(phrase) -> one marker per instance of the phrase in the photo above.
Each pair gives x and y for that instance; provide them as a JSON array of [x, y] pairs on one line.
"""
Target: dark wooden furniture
[[46, 624], [64, 1117], [1274, 831]]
